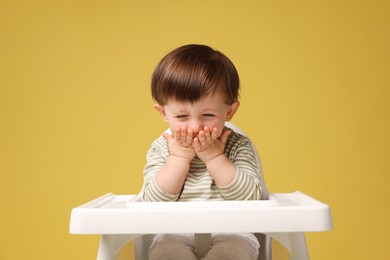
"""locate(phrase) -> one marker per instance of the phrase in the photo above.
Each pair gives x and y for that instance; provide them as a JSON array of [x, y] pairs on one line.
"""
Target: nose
[[196, 126]]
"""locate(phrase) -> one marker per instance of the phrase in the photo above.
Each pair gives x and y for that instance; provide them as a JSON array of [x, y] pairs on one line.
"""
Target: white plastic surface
[[121, 214]]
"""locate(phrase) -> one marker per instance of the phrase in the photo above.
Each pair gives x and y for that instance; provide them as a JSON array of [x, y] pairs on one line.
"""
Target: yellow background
[[76, 114]]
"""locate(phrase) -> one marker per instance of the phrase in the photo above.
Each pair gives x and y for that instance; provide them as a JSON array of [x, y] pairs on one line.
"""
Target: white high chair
[[121, 218]]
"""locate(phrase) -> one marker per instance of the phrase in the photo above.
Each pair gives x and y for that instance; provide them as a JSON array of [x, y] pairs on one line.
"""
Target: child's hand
[[207, 145], [180, 143]]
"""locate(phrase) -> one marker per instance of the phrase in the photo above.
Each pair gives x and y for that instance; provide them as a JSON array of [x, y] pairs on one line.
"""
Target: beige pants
[[181, 247]]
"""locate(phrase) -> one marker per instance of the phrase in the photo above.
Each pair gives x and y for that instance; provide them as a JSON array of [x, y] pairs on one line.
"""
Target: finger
[[183, 134], [177, 134], [225, 136], [196, 144], [207, 136], [202, 138], [214, 134], [189, 136], [167, 136]]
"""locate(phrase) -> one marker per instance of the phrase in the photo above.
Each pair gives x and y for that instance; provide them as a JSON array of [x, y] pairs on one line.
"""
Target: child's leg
[[172, 247], [232, 247]]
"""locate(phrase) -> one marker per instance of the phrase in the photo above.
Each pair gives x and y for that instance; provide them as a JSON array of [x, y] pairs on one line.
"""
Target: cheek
[[176, 124], [220, 130], [218, 124]]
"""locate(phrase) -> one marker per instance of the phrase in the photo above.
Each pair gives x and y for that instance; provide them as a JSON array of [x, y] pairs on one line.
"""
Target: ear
[[161, 110], [232, 110]]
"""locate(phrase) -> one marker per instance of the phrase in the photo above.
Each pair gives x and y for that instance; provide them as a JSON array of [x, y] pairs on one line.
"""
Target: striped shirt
[[199, 185]]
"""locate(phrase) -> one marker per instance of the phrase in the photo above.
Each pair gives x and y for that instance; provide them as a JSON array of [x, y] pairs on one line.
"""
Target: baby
[[196, 91]]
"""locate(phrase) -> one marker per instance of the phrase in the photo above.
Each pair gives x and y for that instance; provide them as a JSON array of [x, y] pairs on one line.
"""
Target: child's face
[[210, 111]]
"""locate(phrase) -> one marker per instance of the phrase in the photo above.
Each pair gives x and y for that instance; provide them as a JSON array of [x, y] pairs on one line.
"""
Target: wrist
[[179, 158], [221, 169], [212, 158]]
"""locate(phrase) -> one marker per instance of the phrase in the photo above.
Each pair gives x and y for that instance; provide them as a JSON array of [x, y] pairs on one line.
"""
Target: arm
[[172, 176], [210, 149], [235, 172], [247, 184], [165, 176]]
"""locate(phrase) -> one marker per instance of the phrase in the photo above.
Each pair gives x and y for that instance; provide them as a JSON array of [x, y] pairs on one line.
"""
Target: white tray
[[122, 214]]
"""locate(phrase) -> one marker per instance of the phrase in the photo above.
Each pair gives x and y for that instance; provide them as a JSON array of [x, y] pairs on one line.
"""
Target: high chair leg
[[294, 242], [110, 245]]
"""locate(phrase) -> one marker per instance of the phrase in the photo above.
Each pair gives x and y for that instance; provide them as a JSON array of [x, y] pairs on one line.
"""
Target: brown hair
[[192, 71]]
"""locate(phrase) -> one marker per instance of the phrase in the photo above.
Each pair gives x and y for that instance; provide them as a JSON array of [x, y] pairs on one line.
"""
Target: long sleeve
[[155, 160], [247, 183]]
